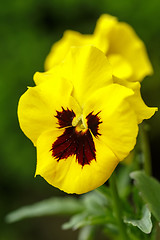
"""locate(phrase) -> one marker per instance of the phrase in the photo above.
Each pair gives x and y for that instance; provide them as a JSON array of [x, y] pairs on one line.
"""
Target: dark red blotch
[[65, 118], [72, 142], [93, 122]]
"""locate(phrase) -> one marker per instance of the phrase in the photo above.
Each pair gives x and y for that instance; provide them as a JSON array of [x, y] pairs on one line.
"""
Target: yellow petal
[[102, 31], [124, 41], [88, 69], [119, 123], [121, 68], [67, 174], [113, 38], [141, 109], [37, 106], [53, 74], [73, 38], [61, 48]]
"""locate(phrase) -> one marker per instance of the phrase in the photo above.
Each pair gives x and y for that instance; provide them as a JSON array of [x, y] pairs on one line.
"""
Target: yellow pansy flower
[[80, 121], [124, 49]]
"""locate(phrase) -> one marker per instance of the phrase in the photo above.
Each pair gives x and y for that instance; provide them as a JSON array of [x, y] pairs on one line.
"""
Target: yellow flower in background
[[124, 49], [81, 122]]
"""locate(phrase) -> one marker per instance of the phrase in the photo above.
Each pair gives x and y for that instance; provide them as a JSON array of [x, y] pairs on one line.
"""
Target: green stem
[[146, 150], [117, 207]]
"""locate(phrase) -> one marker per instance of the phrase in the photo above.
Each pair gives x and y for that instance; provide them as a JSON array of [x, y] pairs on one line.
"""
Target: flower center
[[79, 124], [77, 138], [80, 127]]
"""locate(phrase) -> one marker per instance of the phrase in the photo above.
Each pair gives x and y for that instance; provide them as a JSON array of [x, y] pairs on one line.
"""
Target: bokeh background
[[27, 30]]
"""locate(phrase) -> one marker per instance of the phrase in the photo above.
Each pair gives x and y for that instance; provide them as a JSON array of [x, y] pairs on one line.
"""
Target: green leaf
[[95, 203], [74, 221], [123, 181], [149, 189], [87, 233], [53, 206], [145, 223], [105, 191], [96, 212], [82, 220]]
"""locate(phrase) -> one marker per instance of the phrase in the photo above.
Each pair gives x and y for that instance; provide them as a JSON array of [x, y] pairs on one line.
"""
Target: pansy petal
[[118, 129], [124, 41], [37, 106], [104, 25], [88, 69], [121, 68], [111, 37], [141, 109], [53, 74], [61, 48], [67, 174]]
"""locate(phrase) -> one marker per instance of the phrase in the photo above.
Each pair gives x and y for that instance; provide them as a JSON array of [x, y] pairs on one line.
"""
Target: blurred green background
[[28, 29]]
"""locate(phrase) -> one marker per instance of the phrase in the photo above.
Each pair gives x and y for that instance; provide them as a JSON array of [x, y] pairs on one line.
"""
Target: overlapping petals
[[140, 108], [81, 120], [119, 128], [119, 42], [67, 174], [125, 44], [81, 65], [60, 49], [38, 105], [124, 50]]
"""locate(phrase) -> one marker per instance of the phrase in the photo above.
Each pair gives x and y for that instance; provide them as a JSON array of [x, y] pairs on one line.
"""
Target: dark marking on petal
[[65, 117], [93, 122], [73, 142]]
